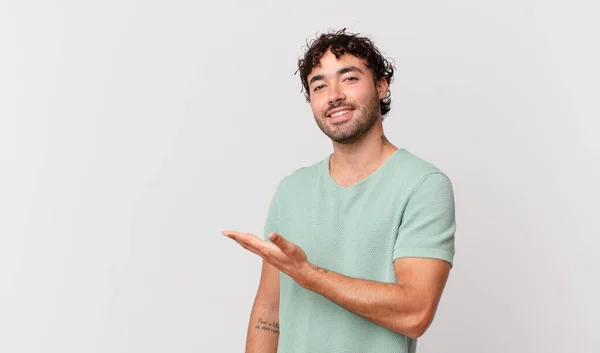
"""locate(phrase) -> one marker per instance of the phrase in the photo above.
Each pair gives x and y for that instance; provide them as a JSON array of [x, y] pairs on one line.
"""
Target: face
[[344, 97]]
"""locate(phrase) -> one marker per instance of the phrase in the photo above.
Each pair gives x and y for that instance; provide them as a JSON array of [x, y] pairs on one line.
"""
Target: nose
[[335, 94]]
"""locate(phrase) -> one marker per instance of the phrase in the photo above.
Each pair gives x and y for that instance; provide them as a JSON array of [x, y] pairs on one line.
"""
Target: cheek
[[317, 107], [365, 96]]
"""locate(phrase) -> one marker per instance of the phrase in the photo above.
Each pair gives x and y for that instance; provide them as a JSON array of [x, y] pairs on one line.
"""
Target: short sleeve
[[428, 222]]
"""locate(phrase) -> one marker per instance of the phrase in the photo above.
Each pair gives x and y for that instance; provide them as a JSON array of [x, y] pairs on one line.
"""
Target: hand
[[282, 254]]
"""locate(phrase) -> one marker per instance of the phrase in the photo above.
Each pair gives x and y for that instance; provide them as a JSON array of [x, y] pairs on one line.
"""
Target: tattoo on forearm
[[267, 326], [317, 268]]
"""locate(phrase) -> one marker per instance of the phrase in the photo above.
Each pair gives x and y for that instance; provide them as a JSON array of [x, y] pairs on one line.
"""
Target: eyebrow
[[339, 72]]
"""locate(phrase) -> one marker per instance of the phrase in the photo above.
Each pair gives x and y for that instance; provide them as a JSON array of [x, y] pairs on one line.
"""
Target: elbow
[[416, 326], [415, 332]]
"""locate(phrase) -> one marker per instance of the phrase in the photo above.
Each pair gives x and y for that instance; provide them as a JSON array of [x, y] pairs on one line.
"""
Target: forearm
[[263, 329], [394, 306]]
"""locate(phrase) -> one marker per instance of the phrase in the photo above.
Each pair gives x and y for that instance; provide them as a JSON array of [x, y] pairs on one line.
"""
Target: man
[[358, 247]]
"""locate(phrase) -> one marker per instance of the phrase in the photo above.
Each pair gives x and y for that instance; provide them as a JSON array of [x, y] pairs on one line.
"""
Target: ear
[[382, 87]]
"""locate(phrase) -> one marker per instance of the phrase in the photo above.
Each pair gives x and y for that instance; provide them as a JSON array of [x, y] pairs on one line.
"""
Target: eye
[[351, 78], [318, 88]]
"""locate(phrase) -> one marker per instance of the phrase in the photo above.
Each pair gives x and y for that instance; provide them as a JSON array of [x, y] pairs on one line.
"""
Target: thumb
[[281, 242]]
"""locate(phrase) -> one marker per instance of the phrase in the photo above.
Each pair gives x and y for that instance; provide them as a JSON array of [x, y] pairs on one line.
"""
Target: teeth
[[339, 113]]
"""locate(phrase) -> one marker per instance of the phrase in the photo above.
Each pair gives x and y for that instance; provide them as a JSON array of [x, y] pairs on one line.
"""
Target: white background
[[133, 132]]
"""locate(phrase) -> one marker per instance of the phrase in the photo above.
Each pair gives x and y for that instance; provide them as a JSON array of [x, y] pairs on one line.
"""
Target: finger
[[231, 233], [281, 243], [250, 242], [247, 242], [251, 249], [269, 251], [238, 236], [248, 238]]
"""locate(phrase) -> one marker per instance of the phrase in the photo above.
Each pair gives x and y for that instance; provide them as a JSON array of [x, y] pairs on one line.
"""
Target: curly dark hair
[[341, 42]]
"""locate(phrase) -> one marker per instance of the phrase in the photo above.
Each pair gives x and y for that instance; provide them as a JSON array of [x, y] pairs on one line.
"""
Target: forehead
[[329, 64]]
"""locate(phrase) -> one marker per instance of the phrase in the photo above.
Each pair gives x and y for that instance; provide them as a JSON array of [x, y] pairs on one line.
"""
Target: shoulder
[[414, 171]]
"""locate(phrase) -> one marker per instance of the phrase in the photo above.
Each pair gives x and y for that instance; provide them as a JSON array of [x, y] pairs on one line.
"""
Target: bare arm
[[263, 328], [407, 307]]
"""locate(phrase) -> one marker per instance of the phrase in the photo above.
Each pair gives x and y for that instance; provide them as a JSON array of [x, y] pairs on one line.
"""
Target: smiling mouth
[[340, 113]]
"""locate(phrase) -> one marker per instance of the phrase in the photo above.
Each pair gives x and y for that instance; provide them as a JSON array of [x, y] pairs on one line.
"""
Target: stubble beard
[[351, 131]]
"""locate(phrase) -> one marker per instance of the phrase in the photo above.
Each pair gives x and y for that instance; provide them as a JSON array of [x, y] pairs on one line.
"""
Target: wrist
[[305, 277]]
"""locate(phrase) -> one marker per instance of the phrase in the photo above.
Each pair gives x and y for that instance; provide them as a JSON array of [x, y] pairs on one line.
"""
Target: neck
[[352, 162]]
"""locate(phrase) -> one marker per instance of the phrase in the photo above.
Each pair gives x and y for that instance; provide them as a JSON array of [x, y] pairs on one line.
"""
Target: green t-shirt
[[405, 208]]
